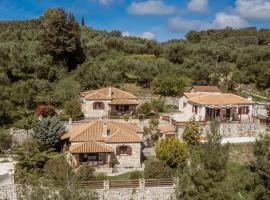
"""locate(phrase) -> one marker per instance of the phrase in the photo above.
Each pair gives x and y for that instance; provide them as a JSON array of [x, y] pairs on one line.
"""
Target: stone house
[[206, 103], [105, 144], [167, 131], [110, 100]]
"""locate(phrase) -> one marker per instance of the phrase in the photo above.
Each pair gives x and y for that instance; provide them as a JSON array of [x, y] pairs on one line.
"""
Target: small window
[[195, 109], [123, 150], [98, 106], [184, 104]]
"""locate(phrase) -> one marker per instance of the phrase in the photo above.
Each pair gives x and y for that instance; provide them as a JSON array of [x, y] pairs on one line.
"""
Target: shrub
[[192, 132], [157, 104], [172, 151], [45, 110], [31, 158], [59, 171], [49, 132], [145, 108], [157, 169], [73, 108], [85, 173], [5, 140]]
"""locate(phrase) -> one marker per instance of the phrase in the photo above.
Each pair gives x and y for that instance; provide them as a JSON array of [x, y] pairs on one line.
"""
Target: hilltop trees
[[61, 37], [169, 85]]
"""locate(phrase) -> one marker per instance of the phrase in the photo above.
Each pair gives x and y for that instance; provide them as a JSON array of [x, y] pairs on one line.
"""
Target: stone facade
[[89, 112], [127, 161], [164, 193]]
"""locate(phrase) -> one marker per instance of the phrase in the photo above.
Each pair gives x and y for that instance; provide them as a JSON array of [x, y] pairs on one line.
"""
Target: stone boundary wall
[[154, 193]]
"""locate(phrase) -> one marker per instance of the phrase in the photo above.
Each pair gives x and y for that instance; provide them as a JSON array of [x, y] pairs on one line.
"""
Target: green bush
[[85, 172], [157, 104], [144, 109], [5, 140], [172, 151], [73, 109], [157, 169]]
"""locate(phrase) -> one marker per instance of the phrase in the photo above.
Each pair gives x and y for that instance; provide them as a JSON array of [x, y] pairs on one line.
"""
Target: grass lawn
[[127, 176]]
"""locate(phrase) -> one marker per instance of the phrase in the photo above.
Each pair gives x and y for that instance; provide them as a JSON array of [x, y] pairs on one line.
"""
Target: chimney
[[250, 98], [105, 130], [110, 91]]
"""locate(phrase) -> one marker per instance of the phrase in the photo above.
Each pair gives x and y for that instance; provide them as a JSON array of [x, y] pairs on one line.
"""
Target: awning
[[90, 147], [124, 102]]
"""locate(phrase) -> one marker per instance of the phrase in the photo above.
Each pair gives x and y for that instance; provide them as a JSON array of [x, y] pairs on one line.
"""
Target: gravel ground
[[6, 171]]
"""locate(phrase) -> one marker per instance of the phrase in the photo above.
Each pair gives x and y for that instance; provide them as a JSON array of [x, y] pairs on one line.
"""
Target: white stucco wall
[[186, 111], [88, 111], [128, 161]]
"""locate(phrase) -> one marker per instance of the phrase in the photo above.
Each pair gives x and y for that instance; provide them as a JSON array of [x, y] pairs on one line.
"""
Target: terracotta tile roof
[[103, 93], [192, 95], [124, 101], [85, 132], [92, 131], [122, 137], [220, 99], [89, 147], [207, 88], [167, 129]]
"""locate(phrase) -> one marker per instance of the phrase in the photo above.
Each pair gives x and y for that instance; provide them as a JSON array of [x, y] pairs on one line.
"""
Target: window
[[123, 150], [122, 107], [98, 106], [243, 110], [195, 109], [184, 104]]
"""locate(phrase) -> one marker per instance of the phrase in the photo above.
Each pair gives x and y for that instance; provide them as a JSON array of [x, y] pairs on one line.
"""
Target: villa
[[105, 144], [108, 101], [209, 103]]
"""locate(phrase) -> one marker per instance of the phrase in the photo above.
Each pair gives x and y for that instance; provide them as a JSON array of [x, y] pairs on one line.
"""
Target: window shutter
[[129, 151], [239, 111], [247, 110], [117, 151]]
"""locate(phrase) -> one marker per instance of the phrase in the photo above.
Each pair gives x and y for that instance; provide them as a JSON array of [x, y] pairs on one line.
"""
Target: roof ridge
[[110, 136]]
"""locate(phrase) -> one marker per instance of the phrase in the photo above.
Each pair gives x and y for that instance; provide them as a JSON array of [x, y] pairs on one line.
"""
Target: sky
[[151, 19]]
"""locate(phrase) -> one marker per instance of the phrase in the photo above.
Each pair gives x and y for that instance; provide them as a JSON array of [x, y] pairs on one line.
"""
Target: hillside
[[30, 76]]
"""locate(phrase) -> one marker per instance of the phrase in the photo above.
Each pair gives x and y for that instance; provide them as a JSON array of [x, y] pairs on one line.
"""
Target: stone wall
[[164, 193], [128, 161], [88, 111]]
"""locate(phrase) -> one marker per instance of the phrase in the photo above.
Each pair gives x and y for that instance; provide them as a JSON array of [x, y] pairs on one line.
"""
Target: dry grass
[[241, 153], [136, 90]]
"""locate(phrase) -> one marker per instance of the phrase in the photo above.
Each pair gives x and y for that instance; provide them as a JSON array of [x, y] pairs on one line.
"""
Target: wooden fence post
[[106, 184], [175, 181], [141, 183]]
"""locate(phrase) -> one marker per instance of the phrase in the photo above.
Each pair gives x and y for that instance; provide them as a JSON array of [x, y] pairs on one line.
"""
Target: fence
[[136, 183]]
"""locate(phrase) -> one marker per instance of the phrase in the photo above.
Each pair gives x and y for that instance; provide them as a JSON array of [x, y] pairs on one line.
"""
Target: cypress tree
[[61, 38]]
